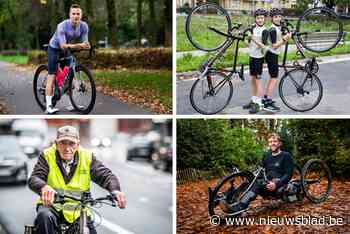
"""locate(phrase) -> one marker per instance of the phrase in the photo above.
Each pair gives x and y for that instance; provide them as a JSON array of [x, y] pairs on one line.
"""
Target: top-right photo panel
[[243, 57]]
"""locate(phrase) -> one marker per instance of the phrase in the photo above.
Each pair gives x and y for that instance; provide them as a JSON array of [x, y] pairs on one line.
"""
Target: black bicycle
[[78, 83], [300, 88], [79, 226], [326, 28], [313, 181]]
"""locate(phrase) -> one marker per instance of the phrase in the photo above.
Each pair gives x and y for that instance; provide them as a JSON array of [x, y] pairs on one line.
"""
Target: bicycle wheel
[[198, 22], [227, 192], [316, 180], [82, 90], [39, 86], [211, 94], [319, 29], [300, 90]]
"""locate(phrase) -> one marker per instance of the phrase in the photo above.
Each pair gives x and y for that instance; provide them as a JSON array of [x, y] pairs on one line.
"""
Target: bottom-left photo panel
[[98, 175]]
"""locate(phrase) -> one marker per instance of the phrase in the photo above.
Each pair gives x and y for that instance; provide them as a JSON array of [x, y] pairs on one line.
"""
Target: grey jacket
[[100, 174]]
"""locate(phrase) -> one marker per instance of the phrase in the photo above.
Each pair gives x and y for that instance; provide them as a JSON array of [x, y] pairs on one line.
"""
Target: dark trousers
[[48, 221]]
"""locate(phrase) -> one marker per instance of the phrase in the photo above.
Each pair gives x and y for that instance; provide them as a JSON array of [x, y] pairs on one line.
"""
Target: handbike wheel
[[300, 90], [82, 90], [198, 22], [319, 29], [227, 192], [316, 180], [211, 94]]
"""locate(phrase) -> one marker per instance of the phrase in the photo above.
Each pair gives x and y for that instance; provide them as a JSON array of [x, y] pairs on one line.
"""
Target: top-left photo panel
[[83, 57]]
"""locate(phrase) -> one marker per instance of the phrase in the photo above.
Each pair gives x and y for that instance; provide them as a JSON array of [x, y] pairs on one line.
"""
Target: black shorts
[[272, 64], [256, 66]]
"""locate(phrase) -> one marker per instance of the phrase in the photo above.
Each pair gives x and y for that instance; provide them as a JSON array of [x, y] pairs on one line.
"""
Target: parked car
[[162, 158], [13, 162], [140, 147], [32, 135]]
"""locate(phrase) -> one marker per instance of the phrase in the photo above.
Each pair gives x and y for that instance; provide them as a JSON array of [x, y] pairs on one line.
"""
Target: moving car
[[13, 162]]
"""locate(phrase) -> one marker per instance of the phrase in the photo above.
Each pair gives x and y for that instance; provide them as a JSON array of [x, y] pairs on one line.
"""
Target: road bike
[[300, 89], [79, 226], [78, 83], [313, 181], [327, 28]]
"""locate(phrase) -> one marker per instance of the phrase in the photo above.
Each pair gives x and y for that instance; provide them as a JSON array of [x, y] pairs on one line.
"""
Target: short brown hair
[[274, 135], [74, 6]]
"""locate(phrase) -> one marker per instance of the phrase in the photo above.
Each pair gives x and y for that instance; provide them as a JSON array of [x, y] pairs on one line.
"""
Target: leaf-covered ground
[[192, 212]]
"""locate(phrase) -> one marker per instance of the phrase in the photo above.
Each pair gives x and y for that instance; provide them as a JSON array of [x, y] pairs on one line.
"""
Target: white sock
[[48, 101], [257, 100]]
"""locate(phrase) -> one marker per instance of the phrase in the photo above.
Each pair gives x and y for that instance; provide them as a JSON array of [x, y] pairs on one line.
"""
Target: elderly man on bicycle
[[279, 168], [67, 167], [67, 31]]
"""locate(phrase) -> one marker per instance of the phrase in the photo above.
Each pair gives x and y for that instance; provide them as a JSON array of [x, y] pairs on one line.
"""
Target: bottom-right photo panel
[[263, 176]]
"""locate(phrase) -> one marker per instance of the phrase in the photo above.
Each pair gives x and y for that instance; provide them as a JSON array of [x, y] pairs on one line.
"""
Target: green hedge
[[143, 58]]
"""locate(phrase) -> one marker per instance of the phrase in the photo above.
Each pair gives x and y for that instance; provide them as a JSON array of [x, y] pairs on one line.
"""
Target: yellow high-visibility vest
[[79, 183]]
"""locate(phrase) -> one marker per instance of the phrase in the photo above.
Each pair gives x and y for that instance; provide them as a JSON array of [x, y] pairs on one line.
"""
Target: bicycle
[[327, 28], [78, 83], [214, 82], [79, 226], [313, 181]]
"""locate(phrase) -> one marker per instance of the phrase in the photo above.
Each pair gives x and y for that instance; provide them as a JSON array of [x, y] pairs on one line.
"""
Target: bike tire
[[197, 24], [319, 165], [321, 40], [220, 80], [300, 94], [216, 195], [86, 108], [39, 88]]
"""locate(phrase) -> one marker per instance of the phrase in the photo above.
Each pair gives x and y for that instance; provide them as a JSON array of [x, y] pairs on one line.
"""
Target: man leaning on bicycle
[[67, 31]]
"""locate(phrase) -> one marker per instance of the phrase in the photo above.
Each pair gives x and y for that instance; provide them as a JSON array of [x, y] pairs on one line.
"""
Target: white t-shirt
[[254, 50], [275, 36]]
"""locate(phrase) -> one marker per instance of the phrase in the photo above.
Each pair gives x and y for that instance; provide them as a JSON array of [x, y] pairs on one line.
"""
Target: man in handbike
[[279, 169]]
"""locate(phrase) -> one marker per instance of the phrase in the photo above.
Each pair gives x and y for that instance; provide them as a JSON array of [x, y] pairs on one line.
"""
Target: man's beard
[[276, 150]]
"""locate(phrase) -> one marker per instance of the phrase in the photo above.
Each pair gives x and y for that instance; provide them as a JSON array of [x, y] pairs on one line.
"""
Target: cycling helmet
[[260, 11], [275, 11]]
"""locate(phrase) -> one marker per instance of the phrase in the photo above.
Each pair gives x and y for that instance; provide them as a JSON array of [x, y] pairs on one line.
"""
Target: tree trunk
[[139, 21], [112, 22], [89, 10], [153, 22], [168, 22]]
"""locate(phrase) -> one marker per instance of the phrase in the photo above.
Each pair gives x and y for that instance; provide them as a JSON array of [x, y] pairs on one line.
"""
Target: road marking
[[114, 227]]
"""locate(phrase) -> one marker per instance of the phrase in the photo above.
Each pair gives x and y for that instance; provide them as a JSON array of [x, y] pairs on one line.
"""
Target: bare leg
[[271, 84], [49, 85]]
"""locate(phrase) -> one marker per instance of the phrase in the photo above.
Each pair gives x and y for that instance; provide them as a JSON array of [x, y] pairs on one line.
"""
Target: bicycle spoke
[[211, 101], [300, 91]]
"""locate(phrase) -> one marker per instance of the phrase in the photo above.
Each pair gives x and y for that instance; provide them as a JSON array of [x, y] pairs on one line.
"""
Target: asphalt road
[[334, 76], [16, 88], [148, 191]]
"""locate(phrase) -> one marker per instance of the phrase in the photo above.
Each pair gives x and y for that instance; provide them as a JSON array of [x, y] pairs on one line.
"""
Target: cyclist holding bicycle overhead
[[271, 57], [256, 60], [69, 168], [66, 33]]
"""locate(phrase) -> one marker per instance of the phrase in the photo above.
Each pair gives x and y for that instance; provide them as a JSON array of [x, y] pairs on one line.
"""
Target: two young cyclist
[[264, 45]]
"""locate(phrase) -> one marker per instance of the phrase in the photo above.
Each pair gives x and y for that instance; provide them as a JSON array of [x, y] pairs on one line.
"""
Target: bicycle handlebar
[[86, 199], [240, 37]]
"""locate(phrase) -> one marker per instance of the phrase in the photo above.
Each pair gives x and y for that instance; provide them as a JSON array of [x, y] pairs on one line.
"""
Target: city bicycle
[[78, 83], [300, 89], [313, 181], [79, 226]]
